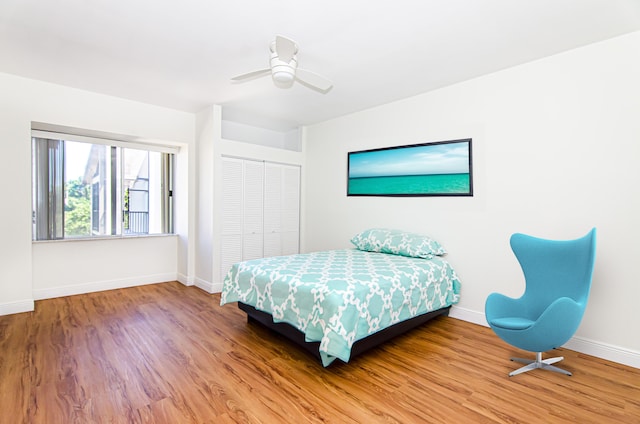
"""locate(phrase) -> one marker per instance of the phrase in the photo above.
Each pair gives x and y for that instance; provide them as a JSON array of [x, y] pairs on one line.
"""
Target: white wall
[[185, 212], [211, 148], [207, 130], [237, 131], [23, 101], [84, 266], [556, 151]]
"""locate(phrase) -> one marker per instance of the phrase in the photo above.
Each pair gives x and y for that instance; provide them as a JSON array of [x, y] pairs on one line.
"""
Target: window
[[86, 187]]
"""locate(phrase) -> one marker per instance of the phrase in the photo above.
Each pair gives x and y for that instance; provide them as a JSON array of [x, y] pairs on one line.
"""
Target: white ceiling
[[182, 54]]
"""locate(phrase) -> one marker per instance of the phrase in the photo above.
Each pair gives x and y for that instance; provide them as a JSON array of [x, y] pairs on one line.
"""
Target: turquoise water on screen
[[411, 184]]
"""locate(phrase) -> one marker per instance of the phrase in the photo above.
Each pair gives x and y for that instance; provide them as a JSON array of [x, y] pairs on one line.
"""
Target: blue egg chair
[[558, 280]]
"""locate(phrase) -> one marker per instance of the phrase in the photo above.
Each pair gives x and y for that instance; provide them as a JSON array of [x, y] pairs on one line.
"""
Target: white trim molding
[[17, 307], [605, 351], [468, 315], [612, 353], [185, 280], [207, 286]]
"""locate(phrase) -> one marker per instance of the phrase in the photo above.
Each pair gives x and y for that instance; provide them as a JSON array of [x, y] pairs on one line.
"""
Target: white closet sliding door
[[260, 210], [253, 206], [281, 209], [290, 213], [272, 209], [242, 233]]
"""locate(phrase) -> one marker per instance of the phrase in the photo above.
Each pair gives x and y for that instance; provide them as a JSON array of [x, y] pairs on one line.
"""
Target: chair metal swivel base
[[545, 364]]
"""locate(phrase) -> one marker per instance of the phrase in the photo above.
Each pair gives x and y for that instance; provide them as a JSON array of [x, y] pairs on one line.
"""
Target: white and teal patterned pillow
[[398, 242]]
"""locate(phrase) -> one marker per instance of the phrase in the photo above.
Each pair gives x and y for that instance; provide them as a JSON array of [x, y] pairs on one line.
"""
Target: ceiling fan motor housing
[[283, 73]]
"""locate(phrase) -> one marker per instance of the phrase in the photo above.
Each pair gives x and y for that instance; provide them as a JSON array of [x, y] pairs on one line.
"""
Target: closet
[[260, 210]]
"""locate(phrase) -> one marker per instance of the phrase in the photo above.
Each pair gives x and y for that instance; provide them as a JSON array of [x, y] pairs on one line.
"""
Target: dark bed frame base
[[296, 336]]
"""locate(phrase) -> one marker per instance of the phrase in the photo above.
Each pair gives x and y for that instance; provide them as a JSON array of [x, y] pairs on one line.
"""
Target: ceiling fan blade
[[251, 75], [313, 80], [285, 48]]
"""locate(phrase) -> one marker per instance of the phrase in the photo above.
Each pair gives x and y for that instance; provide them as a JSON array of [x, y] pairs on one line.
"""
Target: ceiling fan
[[284, 68]]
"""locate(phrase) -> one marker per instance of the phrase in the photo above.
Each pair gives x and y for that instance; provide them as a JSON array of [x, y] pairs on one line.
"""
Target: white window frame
[[42, 201]]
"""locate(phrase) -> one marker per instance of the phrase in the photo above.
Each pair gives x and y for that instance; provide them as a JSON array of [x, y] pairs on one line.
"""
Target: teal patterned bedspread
[[340, 296]]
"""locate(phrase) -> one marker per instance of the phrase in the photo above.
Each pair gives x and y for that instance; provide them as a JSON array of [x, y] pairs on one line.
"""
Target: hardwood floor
[[166, 353]]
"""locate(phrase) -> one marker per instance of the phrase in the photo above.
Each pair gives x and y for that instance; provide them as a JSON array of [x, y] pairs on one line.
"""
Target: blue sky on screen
[[450, 158]]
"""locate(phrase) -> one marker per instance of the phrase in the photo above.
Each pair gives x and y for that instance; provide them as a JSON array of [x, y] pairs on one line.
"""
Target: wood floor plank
[[166, 353]]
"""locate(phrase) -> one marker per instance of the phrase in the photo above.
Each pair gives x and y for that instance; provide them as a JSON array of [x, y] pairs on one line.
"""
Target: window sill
[[103, 238]]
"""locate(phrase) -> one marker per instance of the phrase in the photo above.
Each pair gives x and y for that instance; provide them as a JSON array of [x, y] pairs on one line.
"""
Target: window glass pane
[[143, 189], [136, 191], [48, 189], [91, 190], [95, 190], [78, 191]]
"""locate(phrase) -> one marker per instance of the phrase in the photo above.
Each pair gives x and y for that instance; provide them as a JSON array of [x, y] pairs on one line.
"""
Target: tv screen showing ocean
[[411, 185]]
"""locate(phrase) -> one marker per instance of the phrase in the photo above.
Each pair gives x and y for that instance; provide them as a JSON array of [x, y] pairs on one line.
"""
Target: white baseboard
[[187, 281], [204, 285], [20, 306], [612, 353], [601, 350], [208, 286], [40, 294], [468, 315]]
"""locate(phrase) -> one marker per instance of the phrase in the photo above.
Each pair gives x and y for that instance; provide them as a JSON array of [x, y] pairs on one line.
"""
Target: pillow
[[398, 242]]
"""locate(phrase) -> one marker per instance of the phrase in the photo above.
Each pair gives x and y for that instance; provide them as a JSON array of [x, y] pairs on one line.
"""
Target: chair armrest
[[499, 306], [557, 324], [564, 312]]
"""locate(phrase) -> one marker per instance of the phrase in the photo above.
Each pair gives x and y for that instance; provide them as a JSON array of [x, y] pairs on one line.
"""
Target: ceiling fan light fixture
[[283, 76]]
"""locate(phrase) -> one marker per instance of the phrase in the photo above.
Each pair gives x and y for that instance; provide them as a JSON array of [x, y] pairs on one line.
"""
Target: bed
[[340, 303]]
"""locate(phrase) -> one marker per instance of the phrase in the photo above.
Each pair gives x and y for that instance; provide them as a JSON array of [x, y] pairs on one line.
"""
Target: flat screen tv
[[442, 168]]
